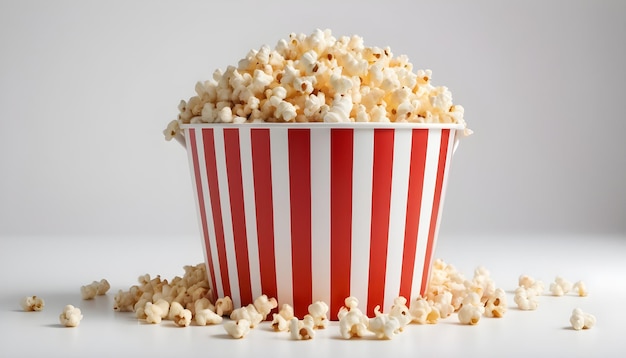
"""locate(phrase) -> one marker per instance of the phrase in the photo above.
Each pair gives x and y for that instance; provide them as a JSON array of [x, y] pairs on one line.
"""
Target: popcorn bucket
[[314, 211]]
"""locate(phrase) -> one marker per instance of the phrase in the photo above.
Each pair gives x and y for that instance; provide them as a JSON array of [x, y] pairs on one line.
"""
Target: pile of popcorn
[[185, 300], [319, 78]]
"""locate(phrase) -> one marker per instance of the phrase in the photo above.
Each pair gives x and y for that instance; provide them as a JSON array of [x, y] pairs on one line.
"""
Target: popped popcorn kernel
[[352, 321], [265, 305], [318, 312], [471, 309], [496, 305], [580, 288], [560, 286], [32, 303], [581, 320], [401, 312], [280, 321], [383, 325], [526, 298], [224, 306], [96, 288], [71, 316], [180, 315], [301, 330], [237, 329], [248, 313]]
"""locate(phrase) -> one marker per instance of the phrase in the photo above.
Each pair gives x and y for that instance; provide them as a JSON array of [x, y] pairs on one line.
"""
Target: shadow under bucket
[[317, 211]]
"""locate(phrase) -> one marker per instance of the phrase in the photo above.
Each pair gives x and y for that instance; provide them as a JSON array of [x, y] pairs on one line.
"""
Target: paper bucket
[[314, 211]]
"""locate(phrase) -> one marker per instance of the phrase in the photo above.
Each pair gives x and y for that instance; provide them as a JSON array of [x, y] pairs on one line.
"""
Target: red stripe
[[262, 173], [381, 199], [419, 141], [203, 220], [238, 215], [341, 158], [211, 171], [300, 198], [441, 167]]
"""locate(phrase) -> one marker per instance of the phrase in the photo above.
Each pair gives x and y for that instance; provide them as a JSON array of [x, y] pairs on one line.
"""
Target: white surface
[[55, 268], [86, 87]]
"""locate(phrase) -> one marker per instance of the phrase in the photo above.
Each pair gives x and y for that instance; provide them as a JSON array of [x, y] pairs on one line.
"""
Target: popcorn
[[280, 321], [204, 313], [224, 306], [180, 315], [580, 288], [383, 325], [318, 313], [496, 305], [581, 320], [560, 286], [301, 330], [94, 289], [156, 311], [71, 316], [32, 303], [471, 309], [237, 329], [320, 78], [423, 312], [352, 321], [248, 313], [400, 312], [265, 305], [526, 298], [529, 282]]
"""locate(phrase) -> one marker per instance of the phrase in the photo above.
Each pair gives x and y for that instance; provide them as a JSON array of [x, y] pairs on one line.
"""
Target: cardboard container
[[319, 211]]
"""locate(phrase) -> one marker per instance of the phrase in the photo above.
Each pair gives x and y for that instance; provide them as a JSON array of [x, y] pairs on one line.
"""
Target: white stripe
[[445, 183], [229, 242], [428, 192], [397, 214], [320, 213], [363, 165], [282, 214], [245, 148], [208, 212]]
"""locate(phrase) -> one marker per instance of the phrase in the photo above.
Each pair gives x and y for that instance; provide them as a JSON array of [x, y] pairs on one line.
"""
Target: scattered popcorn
[[423, 312], [180, 315], [281, 319], [264, 305], [204, 313], [156, 311], [383, 325], [526, 298], [301, 330], [352, 321], [580, 288], [581, 320], [400, 312], [560, 286], [529, 282], [32, 303], [248, 313], [94, 289], [318, 313], [71, 316], [319, 78], [471, 309], [237, 329], [442, 303], [496, 305], [224, 306]]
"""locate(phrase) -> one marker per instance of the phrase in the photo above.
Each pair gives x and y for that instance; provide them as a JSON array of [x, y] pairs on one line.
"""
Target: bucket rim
[[324, 125]]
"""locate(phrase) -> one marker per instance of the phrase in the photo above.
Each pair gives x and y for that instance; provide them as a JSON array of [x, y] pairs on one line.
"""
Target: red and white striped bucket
[[313, 211]]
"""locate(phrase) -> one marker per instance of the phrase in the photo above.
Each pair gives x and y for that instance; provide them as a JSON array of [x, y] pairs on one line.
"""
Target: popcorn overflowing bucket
[[315, 211]]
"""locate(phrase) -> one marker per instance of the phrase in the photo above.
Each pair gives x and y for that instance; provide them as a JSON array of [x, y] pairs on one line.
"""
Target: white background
[[87, 87], [89, 189]]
